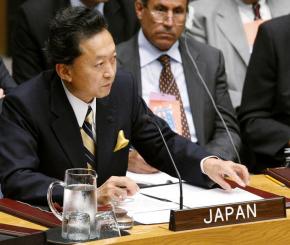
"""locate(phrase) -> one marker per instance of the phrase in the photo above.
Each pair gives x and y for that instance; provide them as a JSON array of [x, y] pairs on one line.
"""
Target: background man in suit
[[265, 108], [6, 82], [220, 23], [30, 30], [162, 25], [43, 121]]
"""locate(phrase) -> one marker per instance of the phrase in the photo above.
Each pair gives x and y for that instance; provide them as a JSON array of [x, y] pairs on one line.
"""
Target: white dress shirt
[[80, 109], [150, 73], [247, 13]]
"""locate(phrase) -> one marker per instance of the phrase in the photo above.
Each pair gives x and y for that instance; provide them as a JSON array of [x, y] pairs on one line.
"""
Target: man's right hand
[[137, 164], [116, 189]]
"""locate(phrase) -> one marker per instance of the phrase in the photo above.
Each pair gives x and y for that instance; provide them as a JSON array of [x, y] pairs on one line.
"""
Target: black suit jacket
[[209, 129], [40, 138], [31, 26], [6, 81], [265, 109]]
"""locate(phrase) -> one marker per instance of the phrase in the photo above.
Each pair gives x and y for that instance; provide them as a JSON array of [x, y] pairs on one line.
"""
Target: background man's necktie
[[167, 85], [88, 139], [256, 8]]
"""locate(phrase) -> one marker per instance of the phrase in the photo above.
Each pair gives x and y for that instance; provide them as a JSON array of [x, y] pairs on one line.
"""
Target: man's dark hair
[[66, 31]]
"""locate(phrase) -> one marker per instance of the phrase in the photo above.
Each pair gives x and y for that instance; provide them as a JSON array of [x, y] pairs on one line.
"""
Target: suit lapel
[[229, 23], [65, 125], [131, 61], [194, 87], [106, 131]]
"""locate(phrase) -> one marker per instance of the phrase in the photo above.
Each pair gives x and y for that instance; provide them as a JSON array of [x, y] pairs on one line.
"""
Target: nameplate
[[220, 215]]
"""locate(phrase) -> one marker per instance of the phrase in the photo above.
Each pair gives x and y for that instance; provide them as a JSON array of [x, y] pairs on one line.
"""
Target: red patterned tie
[[256, 8], [167, 85]]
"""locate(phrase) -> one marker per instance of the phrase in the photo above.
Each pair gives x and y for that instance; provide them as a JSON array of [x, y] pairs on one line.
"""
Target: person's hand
[[116, 189], [138, 165], [217, 170], [2, 95]]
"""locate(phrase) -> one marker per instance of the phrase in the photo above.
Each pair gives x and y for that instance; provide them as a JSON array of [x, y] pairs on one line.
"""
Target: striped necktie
[[168, 85], [88, 139], [256, 8]]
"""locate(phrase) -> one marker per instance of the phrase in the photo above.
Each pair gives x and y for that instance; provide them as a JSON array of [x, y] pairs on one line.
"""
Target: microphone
[[151, 120], [210, 96]]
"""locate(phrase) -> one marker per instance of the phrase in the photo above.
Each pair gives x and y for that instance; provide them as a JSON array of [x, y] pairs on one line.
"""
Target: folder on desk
[[28, 212], [281, 174]]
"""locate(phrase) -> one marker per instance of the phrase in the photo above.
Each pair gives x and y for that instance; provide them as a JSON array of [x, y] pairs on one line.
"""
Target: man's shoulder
[[43, 7], [36, 88], [126, 46], [207, 7], [282, 22]]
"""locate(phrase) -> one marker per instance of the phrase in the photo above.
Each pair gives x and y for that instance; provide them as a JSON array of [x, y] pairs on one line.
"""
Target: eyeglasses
[[161, 16]]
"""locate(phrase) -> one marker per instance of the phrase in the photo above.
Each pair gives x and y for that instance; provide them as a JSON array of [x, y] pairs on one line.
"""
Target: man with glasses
[[159, 60]]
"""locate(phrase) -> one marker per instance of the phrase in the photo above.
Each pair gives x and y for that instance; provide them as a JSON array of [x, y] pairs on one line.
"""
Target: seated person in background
[[161, 36], [6, 82], [265, 108], [226, 25], [30, 31], [76, 114]]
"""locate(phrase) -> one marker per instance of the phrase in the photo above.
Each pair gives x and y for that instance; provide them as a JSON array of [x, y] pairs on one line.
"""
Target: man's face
[[162, 21], [92, 73]]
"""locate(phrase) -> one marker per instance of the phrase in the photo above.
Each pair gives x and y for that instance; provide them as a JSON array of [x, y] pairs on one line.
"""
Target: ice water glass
[[107, 225], [78, 226]]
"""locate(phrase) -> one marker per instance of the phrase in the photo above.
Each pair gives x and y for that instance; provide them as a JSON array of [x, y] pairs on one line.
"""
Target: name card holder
[[220, 215]]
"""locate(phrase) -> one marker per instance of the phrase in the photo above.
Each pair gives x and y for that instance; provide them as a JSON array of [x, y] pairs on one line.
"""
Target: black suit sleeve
[[20, 165], [146, 139], [220, 144], [27, 54], [259, 112]]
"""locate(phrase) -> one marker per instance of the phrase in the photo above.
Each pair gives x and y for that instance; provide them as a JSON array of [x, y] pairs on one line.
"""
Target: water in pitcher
[[80, 198]]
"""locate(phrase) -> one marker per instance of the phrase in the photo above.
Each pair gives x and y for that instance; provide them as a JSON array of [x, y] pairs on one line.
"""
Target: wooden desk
[[265, 232]]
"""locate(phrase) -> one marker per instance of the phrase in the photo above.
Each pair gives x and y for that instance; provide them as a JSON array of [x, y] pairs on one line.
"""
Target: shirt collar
[[80, 108], [149, 53]]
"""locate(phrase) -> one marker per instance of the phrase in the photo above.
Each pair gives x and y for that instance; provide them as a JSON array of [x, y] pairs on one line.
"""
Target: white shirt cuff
[[203, 160]]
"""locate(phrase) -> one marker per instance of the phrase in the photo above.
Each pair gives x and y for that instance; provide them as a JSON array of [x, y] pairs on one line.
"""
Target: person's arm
[[27, 55], [263, 132], [220, 143]]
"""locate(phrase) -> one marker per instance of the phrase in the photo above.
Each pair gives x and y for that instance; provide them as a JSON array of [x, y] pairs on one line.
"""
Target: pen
[[157, 198], [274, 180]]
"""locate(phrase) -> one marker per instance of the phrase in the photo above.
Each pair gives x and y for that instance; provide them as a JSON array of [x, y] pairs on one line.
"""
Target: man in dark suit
[[265, 109], [30, 31], [43, 121], [6, 82], [162, 25]]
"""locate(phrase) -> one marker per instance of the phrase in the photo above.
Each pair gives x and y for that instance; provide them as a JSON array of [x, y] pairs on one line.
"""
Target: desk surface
[[264, 232]]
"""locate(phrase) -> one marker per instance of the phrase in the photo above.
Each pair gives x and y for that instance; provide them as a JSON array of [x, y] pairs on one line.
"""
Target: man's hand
[[138, 165], [116, 189], [2, 95], [217, 170]]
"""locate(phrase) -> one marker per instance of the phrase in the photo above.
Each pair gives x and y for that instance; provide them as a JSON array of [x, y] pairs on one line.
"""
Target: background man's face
[[162, 34]]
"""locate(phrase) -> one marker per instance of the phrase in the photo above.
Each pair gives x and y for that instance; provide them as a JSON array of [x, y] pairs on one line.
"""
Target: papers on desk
[[152, 179], [148, 210]]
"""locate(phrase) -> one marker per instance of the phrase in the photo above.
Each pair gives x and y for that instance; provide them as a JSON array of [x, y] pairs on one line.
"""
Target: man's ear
[[139, 7], [64, 72]]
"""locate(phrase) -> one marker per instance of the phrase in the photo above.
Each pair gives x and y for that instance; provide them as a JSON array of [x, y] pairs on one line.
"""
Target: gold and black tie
[[88, 139]]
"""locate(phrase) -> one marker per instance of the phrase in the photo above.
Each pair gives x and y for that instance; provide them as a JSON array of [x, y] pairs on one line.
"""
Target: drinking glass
[[107, 225]]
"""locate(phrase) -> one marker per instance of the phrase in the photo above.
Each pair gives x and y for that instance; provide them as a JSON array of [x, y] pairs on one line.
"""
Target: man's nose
[[169, 21]]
